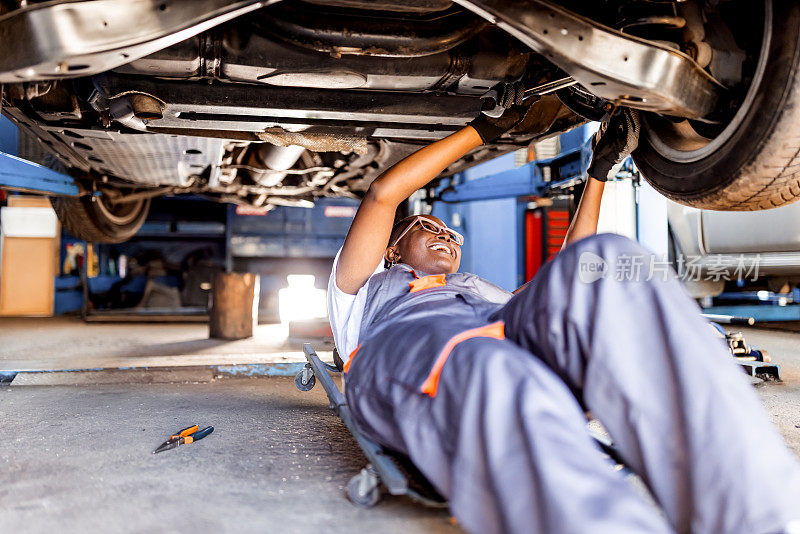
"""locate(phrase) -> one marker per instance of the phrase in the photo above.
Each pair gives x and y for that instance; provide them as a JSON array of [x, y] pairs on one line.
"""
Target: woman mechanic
[[487, 393]]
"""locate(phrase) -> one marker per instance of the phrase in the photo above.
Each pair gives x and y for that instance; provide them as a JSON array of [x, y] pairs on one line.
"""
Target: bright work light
[[301, 300]]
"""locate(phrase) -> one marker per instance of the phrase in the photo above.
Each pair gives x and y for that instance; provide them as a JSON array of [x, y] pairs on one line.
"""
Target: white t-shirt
[[345, 311]]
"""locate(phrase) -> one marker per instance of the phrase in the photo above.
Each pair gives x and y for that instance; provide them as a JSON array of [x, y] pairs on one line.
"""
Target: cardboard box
[[28, 201], [29, 238]]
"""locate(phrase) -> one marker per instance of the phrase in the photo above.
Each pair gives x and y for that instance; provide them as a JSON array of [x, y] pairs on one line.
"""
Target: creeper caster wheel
[[305, 379], [363, 490]]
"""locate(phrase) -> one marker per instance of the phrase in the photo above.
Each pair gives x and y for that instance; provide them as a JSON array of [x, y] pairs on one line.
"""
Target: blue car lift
[[762, 306], [566, 169], [17, 174]]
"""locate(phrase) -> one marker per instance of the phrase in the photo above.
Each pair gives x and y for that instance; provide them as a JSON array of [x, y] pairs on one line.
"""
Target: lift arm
[[17, 174], [566, 169]]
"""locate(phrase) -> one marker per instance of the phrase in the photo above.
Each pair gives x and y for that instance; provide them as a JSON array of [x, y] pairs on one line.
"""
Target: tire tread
[[772, 179], [75, 216]]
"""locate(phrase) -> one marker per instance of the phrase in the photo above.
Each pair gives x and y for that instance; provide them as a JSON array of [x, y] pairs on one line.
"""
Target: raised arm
[[584, 222], [613, 143], [369, 234], [368, 237]]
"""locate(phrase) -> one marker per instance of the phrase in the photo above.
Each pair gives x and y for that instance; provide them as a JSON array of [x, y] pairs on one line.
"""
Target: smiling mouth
[[440, 247]]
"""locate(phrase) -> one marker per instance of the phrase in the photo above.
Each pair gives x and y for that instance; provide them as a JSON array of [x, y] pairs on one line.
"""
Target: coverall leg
[[637, 354], [502, 437]]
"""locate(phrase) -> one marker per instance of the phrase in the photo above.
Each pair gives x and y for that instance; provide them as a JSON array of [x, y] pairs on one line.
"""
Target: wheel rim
[[120, 214], [681, 142]]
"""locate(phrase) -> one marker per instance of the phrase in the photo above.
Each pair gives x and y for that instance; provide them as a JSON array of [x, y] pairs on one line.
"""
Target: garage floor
[[78, 458], [69, 343]]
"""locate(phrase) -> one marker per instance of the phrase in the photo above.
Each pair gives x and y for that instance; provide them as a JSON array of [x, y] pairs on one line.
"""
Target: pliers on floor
[[184, 437]]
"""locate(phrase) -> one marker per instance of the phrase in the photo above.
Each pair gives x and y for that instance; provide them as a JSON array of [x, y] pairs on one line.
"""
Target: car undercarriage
[[280, 102]]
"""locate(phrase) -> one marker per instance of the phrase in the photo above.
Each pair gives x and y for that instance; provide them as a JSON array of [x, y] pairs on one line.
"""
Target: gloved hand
[[614, 142], [508, 96]]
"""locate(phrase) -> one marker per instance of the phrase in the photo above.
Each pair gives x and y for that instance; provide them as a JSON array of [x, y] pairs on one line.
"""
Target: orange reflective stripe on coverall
[[427, 282], [346, 366], [494, 330]]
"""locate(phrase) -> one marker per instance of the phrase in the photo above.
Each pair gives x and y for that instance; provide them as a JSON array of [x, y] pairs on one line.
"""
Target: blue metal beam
[[17, 174], [525, 180], [759, 312], [567, 167]]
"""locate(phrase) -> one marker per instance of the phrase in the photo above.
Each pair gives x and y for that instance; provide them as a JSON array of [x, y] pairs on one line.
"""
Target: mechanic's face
[[422, 250]]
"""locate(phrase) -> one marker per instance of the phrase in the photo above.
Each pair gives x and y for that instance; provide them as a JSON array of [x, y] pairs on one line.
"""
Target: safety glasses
[[433, 227]]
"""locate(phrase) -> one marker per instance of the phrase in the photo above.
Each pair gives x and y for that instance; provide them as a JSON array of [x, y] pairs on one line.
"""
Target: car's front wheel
[[751, 160], [98, 220]]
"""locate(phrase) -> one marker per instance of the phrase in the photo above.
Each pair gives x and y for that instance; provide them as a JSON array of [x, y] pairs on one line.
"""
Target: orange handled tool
[[185, 432], [188, 435]]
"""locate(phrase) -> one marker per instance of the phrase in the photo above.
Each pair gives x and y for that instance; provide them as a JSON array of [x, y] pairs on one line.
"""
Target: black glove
[[503, 95], [614, 142], [490, 128]]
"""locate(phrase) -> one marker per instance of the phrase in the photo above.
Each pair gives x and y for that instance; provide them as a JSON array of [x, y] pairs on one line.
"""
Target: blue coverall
[[487, 396]]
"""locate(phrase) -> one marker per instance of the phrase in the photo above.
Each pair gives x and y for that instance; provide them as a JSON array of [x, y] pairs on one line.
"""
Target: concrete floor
[[79, 459], [69, 343], [781, 399]]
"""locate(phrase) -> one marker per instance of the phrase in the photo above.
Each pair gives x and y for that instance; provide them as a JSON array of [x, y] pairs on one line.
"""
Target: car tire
[[754, 162], [94, 220]]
